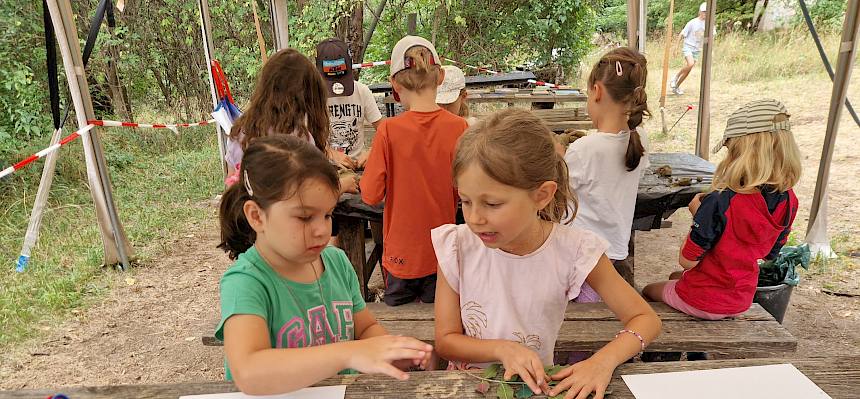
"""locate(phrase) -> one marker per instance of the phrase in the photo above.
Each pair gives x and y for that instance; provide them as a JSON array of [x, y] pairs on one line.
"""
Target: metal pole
[[280, 24], [208, 49], [817, 228], [703, 133], [97, 171]]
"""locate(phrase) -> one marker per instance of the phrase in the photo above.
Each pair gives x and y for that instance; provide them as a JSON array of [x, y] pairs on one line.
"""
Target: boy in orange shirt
[[410, 168]]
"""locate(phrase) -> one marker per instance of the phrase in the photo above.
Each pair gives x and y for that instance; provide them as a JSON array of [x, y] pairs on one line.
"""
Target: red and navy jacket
[[730, 233]]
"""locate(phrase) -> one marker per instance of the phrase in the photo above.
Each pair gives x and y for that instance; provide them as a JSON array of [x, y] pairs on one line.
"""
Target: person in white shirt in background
[[452, 94], [350, 105], [605, 167], [693, 37]]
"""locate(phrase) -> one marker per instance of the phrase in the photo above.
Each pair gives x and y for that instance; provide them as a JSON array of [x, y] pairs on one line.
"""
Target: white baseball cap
[[454, 82], [703, 7], [399, 60]]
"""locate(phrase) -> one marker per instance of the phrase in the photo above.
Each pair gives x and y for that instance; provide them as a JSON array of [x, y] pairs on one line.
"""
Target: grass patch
[[159, 181]]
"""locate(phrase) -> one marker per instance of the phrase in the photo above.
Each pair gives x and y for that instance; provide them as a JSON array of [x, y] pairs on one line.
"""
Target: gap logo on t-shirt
[[316, 330]]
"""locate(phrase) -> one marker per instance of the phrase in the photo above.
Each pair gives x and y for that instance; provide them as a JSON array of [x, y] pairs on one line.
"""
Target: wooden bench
[[590, 326], [839, 377]]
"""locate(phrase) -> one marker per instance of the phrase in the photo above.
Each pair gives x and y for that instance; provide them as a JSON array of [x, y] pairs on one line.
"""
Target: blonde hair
[[759, 159], [515, 148], [423, 74]]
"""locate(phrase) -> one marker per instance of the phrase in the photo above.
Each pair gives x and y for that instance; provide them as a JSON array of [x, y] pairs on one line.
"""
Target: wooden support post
[[351, 238], [280, 24], [816, 234], [632, 24], [703, 133], [208, 49], [116, 247], [643, 24], [667, 53]]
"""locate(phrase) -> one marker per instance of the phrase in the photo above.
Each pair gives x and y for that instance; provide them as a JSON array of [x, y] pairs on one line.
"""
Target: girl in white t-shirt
[[506, 276], [606, 166]]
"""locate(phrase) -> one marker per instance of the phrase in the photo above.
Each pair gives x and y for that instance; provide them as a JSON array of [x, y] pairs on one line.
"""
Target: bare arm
[[686, 263], [629, 307], [258, 369], [594, 374]]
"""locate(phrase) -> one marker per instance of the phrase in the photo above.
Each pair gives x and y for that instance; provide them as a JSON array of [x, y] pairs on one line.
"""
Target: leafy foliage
[[515, 387]]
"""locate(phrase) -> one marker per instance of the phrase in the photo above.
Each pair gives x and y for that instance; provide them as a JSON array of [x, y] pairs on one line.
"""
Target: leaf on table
[[553, 370], [492, 371], [524, 392], [504, 391]]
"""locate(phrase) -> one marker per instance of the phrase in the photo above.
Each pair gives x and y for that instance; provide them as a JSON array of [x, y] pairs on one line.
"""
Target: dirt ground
[[147, 329]]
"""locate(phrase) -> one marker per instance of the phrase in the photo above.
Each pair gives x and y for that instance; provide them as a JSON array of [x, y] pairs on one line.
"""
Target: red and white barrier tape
[[149, 125], [539, 83], [93, 123], [41, 154], [370, 64]]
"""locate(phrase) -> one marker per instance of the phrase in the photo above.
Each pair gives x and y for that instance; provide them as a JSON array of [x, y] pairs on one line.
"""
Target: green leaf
[[553, 370], [504, 391], [492, 371], [524, 392]]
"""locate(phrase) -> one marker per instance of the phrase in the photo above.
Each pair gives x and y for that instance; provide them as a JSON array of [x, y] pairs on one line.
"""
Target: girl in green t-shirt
[[291, 310]]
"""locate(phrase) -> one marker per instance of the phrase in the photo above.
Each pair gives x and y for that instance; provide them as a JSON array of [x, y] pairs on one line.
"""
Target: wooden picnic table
[[558, 120], [838, 376], [511, 98], [658, 197], [590, 326]]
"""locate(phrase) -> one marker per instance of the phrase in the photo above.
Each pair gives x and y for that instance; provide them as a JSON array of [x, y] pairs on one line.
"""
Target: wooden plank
[[575, 312], [838, 376], [729, 337], [578, 312]]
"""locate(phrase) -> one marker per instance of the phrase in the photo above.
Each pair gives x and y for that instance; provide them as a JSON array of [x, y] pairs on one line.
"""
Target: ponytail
[[624, 73], [236, 233], [423, 72], [559, 208]]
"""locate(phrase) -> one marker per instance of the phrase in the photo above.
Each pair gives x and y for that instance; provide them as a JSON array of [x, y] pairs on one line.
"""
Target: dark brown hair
[[627, 88], [274, 169], [514, 147], [288, 90]]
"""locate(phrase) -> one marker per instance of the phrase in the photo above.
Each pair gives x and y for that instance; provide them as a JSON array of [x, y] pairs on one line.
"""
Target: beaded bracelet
[[636, 334]]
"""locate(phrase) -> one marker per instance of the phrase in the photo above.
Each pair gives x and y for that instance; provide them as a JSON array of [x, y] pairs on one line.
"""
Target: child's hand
[[362, 160], [377, 354], [582, 379], [343, 160], [522, 361], [695, 202], [423, 363], [348, 184]]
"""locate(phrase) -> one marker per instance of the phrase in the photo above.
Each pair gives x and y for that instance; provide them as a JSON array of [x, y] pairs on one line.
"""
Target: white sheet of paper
[[330, 392], [782, 381]]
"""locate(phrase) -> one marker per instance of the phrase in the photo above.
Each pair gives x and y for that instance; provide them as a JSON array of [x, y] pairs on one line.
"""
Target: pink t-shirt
[[512, 297]]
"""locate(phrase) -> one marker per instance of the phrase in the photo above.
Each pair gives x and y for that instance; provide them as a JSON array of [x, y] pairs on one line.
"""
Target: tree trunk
[[369, 33], [758, 18], [350, 29]]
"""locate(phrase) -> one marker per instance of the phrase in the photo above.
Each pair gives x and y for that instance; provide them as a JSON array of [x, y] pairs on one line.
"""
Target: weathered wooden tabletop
[[588, 327], [838, 376]]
